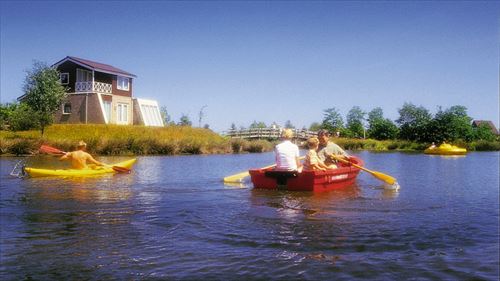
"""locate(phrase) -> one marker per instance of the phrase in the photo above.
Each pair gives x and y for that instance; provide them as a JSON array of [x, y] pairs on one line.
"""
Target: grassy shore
[[118, 140], [173, 140]]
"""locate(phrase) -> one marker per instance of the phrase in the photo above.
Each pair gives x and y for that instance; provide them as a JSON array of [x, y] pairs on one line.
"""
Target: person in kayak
[[327, 148], [287, 153], [79, 157], [312, 161]]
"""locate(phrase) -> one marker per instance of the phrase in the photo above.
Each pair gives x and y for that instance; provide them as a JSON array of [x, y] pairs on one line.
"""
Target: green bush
[[483, 145], [237, 145], [23, 118], [258, 146]]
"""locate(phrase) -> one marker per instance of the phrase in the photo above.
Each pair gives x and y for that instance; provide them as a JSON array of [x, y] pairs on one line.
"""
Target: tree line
[[415, 123]]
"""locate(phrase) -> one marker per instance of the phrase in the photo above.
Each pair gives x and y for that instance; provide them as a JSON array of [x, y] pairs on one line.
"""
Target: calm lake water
[[173, 218]]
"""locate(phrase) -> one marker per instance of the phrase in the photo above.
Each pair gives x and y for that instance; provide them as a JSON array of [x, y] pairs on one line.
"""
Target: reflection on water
[[173, 218]]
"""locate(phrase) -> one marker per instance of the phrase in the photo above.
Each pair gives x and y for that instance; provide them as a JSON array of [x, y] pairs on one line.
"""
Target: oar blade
[[50, 150], [237, 178], [386, 178], [119, 169]]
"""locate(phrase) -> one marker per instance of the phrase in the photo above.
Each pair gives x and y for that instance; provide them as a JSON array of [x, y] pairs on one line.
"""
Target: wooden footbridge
[[268, 133]]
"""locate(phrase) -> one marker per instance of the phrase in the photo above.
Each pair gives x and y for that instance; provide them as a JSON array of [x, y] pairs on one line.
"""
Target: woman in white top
[[287, 153]]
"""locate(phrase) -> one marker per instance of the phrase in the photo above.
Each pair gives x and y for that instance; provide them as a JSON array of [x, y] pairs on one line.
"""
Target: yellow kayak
[[446, 149], [34, 172]]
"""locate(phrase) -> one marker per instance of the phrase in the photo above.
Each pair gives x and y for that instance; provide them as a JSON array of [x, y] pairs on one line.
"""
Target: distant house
[[477, 123], [99, 93]]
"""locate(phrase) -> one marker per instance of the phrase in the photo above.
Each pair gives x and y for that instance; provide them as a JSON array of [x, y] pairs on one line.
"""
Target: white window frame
[[61, 78], [64, 108], [122, 113], [123, 83]]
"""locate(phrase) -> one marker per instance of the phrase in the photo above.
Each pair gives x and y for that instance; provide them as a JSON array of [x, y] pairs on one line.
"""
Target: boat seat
[[281, 177]]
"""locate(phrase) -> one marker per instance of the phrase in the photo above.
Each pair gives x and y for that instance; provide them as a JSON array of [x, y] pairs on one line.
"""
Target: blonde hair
[[287, 134], [81, 144], [312, 142]]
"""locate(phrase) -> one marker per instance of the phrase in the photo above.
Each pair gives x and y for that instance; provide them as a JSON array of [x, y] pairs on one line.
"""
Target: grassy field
[[172, 140]]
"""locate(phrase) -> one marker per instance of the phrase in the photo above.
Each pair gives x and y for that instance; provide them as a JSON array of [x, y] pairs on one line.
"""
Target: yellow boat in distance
[[446, 149], [99, 170]]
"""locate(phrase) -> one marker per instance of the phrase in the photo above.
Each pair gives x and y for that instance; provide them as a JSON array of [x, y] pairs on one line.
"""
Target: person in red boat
[[327, 148], [312, 161], [79, 157], [287, 153]]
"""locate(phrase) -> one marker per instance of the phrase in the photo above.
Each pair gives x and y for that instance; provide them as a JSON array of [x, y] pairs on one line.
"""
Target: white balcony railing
[[96, 87]]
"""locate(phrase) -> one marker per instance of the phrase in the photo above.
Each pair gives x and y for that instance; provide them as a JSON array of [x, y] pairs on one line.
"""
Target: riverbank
[[118, 140], [174, 140]]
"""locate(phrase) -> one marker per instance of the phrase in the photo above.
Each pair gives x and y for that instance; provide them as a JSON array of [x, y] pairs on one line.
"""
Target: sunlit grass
[[116, 139], [141, 140]]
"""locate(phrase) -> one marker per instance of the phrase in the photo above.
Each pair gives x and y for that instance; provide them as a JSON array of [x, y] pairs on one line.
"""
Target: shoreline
[[109, 140]]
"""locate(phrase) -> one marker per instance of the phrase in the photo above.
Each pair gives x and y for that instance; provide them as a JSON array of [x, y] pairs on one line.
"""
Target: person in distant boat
[[312, 161], [326, 148], [287, 153], [433, 145], [79, 157]]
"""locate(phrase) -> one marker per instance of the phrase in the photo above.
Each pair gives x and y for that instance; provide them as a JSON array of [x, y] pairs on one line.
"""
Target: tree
[[381, 128], [201, 114], [165, 116], [414, 123], [43, 93], [17, 117], [184, 121], [375, 114], [233, 127], [483, 132], [5, 112], [256, 125], [289, 125], [332, 120], [355, 118], [315, 126], [452, 124]]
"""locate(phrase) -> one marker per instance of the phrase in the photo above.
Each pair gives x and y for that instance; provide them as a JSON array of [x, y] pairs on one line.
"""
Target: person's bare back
[[79, 157]]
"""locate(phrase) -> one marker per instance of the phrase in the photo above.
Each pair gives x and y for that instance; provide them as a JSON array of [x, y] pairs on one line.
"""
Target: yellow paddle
[[237, 178], [381, 176]]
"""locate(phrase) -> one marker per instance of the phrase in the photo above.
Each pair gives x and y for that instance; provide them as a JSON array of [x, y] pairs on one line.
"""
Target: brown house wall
[[70, 68], [121, 92], [77, 114]]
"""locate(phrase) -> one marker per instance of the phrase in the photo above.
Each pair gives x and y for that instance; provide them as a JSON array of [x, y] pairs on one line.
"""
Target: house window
[[123, 83], [107, 110], [122, 113], [64, 78], [67, 108], [83, 75]]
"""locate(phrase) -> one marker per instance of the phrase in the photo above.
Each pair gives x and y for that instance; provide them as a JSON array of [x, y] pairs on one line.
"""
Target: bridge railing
[[267, 133]]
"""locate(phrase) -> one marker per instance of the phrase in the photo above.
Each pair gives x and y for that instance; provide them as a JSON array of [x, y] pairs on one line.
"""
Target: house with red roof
[[99, 93]]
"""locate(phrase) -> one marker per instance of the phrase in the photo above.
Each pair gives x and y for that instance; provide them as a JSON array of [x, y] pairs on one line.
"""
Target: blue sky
[[270, 61]]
